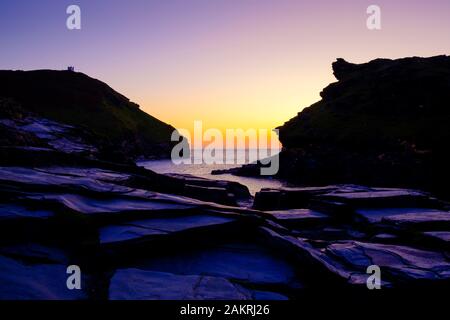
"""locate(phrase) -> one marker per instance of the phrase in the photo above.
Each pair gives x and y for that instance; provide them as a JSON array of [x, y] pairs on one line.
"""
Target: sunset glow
[[231, 64]]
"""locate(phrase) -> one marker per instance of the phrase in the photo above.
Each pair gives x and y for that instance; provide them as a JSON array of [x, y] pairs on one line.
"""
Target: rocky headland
[[383, 123], [87, 109]]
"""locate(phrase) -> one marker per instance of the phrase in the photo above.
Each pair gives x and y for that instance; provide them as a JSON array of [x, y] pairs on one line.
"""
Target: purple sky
[[230, 63]]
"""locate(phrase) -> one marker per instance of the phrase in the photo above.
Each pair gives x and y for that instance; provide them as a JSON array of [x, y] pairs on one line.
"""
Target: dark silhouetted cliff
[[115, 125], [385, 122]]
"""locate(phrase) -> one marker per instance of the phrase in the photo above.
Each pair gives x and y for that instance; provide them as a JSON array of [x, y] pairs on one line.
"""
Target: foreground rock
[[134, 284], [299, 217], [21, 281], [219, 191], [140, 230], [347, 261], [135, 242]]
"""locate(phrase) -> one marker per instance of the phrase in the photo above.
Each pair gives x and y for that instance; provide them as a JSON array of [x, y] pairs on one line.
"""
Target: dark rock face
[[139, 229], [404, 232], [136, 238], [225, 192], [113, 125], [128, 241], [402, 263], [299, 217], [148, 241], [35, 282], [384, 123], [135, 284]]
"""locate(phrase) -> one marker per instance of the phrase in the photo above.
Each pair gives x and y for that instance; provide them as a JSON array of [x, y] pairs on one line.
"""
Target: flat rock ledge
[[139, 235]]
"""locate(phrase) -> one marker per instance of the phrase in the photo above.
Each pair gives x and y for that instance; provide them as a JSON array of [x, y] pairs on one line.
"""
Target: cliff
[[112, 123], [385, 122]]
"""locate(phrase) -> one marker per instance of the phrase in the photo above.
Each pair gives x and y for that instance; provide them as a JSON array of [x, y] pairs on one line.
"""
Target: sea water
[[203, 170]]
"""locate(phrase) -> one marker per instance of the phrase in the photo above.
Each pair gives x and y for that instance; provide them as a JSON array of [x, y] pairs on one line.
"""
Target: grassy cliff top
[[76, 99]]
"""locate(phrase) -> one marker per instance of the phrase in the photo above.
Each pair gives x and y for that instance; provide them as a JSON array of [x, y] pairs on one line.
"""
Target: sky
[[229, 63]]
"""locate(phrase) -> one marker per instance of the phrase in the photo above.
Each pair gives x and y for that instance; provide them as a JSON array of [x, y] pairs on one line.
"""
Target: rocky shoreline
[[136, 234], [133, 242]]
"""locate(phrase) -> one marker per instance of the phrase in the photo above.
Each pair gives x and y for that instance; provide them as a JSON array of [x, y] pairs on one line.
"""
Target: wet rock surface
[[299, 217], [35, 281], [51, 135], [133, 239], [135, 284], [400, 262], [140, 229]]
